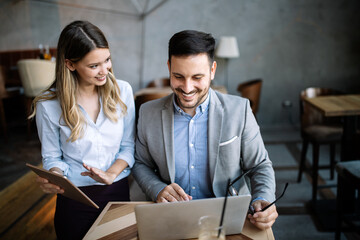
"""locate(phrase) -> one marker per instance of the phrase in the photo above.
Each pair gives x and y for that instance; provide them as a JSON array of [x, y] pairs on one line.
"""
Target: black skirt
[[73, 219]]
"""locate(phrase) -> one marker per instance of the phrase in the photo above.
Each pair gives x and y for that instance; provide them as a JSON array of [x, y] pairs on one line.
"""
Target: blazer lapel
[[214, 130], [168, 135]]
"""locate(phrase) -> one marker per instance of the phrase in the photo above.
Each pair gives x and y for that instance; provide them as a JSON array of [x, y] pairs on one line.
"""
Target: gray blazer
[[234, 143]]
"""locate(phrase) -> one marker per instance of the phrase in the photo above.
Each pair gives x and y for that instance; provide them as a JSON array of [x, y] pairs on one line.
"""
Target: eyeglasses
[[252, 210], [233, 192]]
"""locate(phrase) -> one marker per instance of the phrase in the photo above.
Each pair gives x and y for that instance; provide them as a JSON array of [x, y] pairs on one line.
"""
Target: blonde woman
[[86, 126]]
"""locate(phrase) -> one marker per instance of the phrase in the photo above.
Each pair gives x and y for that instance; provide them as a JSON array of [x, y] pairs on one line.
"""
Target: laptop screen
[[179, 220]]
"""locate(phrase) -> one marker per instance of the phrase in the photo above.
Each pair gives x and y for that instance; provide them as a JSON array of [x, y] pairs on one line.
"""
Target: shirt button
[[192, 166], [191, 145], [193, 188], [192, 121]]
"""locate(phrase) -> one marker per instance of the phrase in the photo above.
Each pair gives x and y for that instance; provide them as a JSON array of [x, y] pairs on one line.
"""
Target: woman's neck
[[88, 99], [87, 91]]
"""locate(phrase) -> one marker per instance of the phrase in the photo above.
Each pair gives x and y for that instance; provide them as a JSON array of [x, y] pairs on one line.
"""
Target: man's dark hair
[[190, 42]]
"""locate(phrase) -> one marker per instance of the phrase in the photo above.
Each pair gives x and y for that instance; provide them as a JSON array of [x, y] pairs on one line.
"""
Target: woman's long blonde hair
[[75, 41]]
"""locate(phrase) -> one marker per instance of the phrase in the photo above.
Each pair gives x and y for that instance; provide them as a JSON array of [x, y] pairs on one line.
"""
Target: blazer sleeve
[[145, 170], [253, 151]]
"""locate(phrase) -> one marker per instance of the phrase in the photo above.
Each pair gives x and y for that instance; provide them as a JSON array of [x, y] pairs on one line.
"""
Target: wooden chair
[[35, 75], [4, 94], [251, 90], [317, 130], [347, 199], [143, 98], [160, 82]]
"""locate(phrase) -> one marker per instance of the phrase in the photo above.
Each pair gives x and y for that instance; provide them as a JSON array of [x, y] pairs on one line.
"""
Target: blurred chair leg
[[303, 159], [29, 122], [332, 160], [315, 170], [339, 209], [347, 199], [28, 128], [3, 120]]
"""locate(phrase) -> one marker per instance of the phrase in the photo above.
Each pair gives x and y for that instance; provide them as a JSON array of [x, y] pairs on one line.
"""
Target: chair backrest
[[2, 82], [160, 82], [143, 98], [312, 116], [251, 90], [36, 75]]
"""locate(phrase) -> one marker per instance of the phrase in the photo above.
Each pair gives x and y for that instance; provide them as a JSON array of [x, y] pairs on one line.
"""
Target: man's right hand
[[172, 193], [48, 187]]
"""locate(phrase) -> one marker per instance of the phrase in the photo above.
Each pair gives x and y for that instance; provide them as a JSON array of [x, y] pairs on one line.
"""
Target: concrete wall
[[291, 45]]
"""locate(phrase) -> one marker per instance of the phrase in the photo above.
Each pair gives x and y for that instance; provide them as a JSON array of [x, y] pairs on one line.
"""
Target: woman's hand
[[48, 187], [107, 177], [99, 175]]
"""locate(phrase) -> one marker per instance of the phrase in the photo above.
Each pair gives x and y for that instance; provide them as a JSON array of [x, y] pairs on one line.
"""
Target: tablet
[[70, 190]]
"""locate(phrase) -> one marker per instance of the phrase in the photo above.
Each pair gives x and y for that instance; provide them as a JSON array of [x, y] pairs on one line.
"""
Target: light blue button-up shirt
[[191, 151], [102, 143]]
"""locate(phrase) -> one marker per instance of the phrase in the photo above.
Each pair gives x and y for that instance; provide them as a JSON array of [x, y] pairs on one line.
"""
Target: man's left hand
[[266, 219]]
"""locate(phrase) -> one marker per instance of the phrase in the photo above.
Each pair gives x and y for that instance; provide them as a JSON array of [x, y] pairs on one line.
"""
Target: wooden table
[[117, 221], [348, 107]]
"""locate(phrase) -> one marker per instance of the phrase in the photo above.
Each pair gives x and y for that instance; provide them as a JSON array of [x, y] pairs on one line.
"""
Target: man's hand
[[172, 193], [48, 187], [99, 175], [266, 219]]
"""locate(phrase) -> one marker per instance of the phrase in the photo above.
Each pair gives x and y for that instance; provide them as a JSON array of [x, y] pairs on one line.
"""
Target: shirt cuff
[[127, 157], [59, 164], [258, 198], [158, 193]]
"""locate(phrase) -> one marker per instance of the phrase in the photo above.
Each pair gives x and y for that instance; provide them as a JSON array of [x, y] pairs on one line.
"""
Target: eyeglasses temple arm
[[236, 179], [286, 185], [246, 172]]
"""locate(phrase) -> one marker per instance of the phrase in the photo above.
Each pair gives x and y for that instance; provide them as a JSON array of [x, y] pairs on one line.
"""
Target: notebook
[[70, 190], [179, 220]]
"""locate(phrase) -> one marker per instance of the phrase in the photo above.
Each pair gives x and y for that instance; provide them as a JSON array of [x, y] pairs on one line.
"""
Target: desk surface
[[337, 105], [117, 221]]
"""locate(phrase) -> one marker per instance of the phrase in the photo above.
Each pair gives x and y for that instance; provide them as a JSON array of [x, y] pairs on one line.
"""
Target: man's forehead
[[190, 62], [190, 56]]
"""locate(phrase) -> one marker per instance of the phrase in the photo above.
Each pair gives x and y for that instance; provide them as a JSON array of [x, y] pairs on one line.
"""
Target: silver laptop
[[179, 220]]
